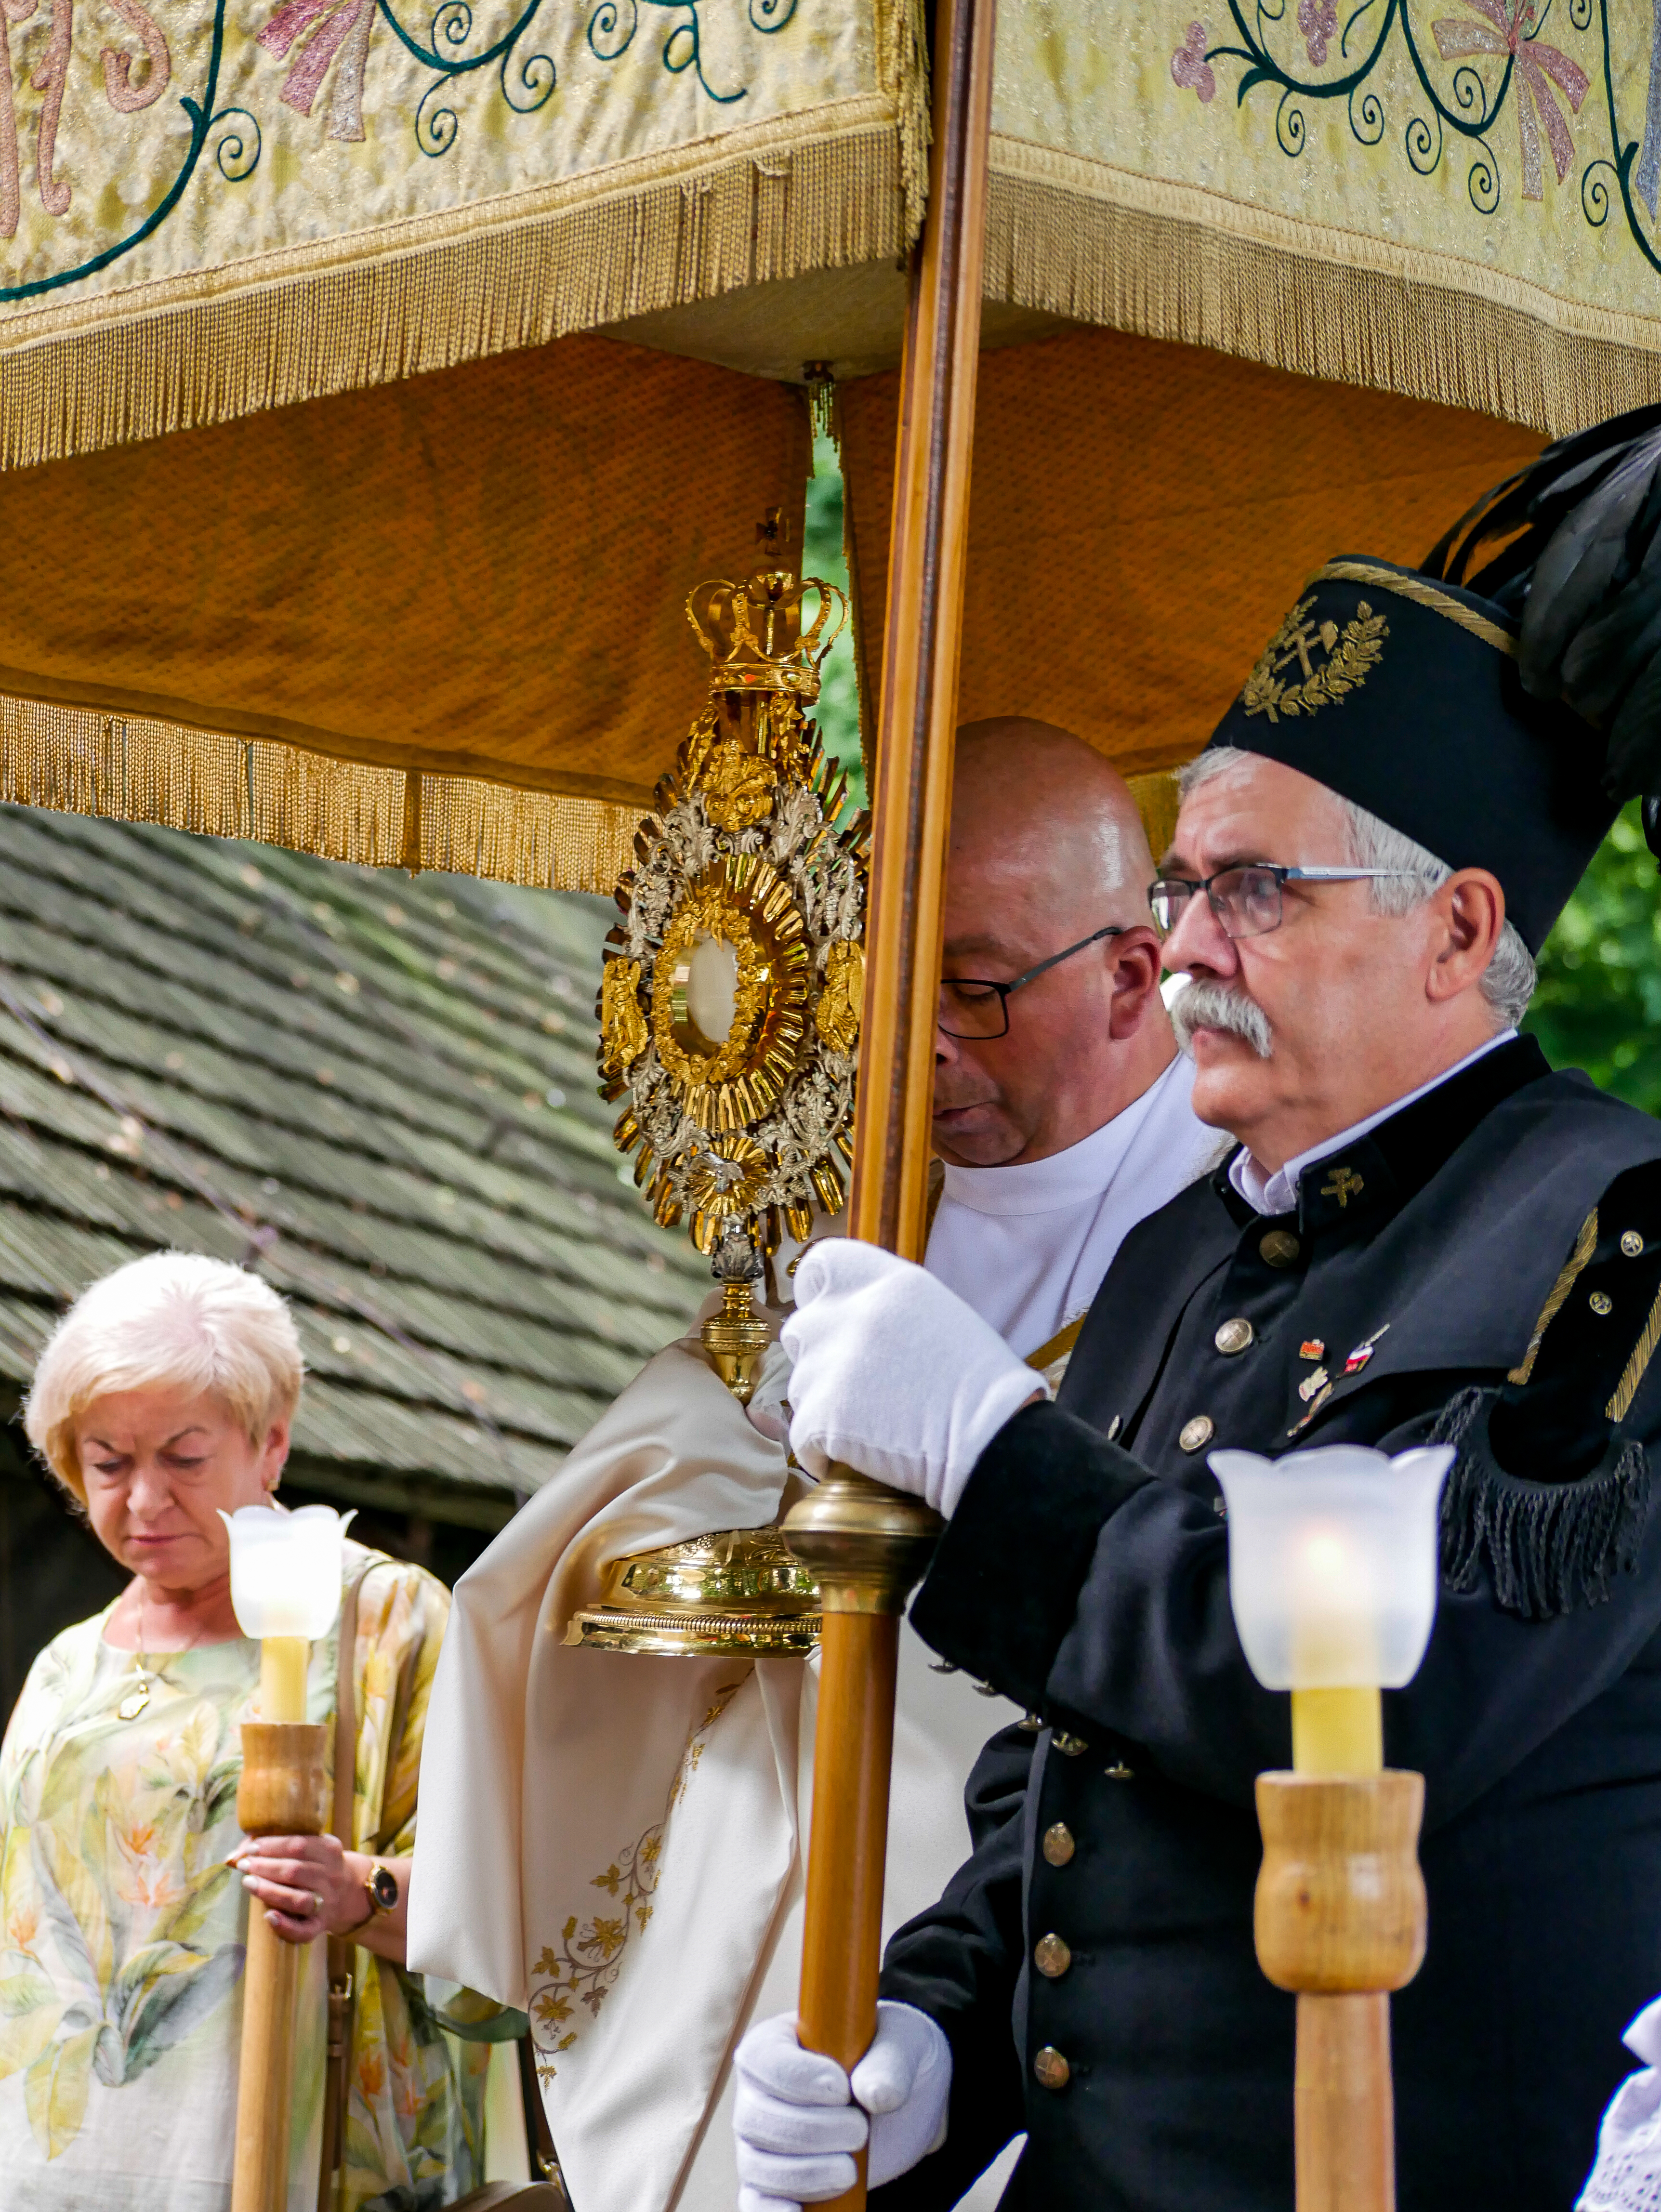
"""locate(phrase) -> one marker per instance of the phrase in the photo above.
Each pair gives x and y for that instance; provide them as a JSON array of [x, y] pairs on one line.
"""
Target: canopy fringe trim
[[75, 760], [902, 73], [1099, 245], [317, 319]]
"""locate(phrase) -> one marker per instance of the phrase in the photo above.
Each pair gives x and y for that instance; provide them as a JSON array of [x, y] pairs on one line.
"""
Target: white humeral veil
[[619, 1842]]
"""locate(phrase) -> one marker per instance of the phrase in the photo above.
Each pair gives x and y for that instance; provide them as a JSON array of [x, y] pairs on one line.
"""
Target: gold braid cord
[[750, 878]]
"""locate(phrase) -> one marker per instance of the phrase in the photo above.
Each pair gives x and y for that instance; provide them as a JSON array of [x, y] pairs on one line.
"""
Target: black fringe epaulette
[[1546, 1546]]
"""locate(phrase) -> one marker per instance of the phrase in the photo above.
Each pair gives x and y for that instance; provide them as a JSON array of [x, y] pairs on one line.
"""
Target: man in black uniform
[[1424, 1235]]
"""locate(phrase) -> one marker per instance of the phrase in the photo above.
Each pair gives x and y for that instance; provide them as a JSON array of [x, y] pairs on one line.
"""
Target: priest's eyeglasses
[[1247, 900], [976, 1010]]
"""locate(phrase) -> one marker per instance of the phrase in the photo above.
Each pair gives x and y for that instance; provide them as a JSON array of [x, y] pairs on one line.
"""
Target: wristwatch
[[381, 1885]]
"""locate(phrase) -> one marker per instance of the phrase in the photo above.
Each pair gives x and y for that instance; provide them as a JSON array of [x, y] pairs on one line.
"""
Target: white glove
[[1627, 2177], [766, 1409], [894, 1374], [797, 2129]]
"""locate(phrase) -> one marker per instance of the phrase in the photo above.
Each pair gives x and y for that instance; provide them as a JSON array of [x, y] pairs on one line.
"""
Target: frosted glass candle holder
[[1332, 1561], [286, 1570]]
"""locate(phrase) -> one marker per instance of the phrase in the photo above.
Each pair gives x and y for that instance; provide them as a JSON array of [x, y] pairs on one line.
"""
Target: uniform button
[[1119, 1771], [1058, 1844], [1601, 1302], [1631, 1242], [1197, 1434], [1032, 1724], [1280, 1248], [1234, 1335], [1072, 1745], [1051, 2068], [1052, 1958]]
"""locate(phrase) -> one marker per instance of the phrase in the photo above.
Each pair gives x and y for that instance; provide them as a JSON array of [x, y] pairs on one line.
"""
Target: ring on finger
[[316, 1906]]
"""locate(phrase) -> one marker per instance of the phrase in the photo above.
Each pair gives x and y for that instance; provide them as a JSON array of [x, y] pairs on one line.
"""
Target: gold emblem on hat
[[1345, 655]]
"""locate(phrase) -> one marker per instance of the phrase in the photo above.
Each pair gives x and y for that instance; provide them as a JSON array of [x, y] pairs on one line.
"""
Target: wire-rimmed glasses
[[976, 1010], [1246, 900]]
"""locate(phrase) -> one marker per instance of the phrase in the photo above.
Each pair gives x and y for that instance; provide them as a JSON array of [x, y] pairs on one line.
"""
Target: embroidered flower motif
[[320, 29], [1319, 22], [583, 1967], [1191, 69], [1506, 36]]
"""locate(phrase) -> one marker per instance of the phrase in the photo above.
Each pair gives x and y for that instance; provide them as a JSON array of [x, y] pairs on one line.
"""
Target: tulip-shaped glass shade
[[286, 1570], [1332, 1563]]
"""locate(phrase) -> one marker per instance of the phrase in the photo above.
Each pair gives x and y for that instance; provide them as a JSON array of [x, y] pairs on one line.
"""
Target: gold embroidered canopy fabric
[[1454, 199], [214, 208]]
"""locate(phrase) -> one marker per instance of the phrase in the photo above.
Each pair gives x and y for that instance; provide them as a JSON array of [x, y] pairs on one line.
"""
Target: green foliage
[[1599, 1002], [837, 713]]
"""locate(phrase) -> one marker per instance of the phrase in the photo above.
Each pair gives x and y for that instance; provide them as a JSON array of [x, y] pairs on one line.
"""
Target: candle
[[1338, 1730], [283, 1663], [1332, 1575], [286, 1572]]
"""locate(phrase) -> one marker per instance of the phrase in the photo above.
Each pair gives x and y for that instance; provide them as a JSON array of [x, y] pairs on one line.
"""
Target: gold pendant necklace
[[138, 1697]]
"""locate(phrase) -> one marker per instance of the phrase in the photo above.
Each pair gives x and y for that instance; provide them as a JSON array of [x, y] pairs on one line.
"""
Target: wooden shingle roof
[[377, 1090]]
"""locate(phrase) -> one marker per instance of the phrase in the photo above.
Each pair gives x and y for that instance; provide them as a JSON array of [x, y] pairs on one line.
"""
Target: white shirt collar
[[1277, 1192], [1063, 1180]]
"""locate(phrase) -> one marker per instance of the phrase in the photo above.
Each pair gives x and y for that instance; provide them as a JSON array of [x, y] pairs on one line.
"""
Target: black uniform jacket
[[1484, 1267]]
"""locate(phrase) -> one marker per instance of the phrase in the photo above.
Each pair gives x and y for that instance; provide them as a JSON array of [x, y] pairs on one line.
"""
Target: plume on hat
[[1570, 549]]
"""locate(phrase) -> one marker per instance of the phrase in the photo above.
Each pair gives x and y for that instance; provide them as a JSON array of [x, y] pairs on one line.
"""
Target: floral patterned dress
[[124, 1932]]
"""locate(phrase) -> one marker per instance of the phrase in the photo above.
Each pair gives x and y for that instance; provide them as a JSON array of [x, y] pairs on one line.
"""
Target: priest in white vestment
[[617, 1844]]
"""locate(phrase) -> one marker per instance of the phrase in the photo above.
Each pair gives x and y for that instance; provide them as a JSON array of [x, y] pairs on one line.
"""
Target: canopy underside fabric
[[442, 623], [1141, 517], [548, 285]]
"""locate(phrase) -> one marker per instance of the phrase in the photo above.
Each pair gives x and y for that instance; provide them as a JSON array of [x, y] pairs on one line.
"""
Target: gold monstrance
[[729, 1013]]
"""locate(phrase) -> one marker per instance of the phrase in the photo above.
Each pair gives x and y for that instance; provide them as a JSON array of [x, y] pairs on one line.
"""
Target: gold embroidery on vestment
[[580, 1968]]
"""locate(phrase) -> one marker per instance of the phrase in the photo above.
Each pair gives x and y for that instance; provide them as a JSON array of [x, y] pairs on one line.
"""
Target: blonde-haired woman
[[166, 1396]]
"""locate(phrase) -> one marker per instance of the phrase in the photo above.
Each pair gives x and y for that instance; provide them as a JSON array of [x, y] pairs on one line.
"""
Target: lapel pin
[[1322, 1395], [1363, 1352]]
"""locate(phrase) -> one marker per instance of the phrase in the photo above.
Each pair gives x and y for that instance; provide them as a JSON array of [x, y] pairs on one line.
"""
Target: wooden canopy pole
[[866, 1545]]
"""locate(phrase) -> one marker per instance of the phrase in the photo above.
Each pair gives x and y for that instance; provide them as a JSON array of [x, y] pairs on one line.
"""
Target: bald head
[[1047, 851], [1040, 818]]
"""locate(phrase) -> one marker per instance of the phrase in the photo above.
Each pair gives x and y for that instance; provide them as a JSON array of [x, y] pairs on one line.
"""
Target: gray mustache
[[1216, 1007]]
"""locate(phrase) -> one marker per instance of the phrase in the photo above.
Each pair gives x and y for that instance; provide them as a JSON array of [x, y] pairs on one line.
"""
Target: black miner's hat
[[1499, 704]]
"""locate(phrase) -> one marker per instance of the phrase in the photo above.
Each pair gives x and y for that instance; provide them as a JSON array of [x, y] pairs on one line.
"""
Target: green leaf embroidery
[[55, 2090], [23, 2040], [175, 2000], [188, 1919], [72, 1905], [23, 1993]]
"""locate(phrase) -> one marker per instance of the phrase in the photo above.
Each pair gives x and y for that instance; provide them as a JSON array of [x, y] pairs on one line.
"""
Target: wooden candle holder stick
[[284, 1791], [1341, 1920]]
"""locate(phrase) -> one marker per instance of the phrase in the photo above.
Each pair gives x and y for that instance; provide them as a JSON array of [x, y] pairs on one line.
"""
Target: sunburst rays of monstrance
[[729, 1012]]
